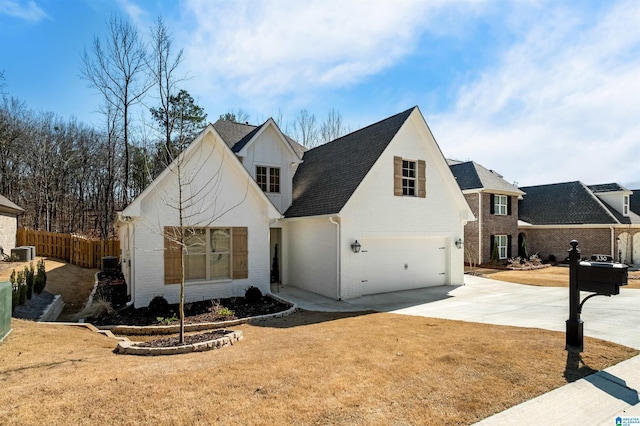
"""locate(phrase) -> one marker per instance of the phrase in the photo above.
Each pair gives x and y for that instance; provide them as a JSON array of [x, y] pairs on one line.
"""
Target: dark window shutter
[[492, 241], [172, 256], [509, 247], [509, 206], [492, 207], [240, 253], [397, 176]]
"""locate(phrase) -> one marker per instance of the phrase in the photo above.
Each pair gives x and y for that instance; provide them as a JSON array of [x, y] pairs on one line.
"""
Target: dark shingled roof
[[237, 135], [466, 175], [569, 203], [330, 173], [606, 187], [471, 175], [634, 201]]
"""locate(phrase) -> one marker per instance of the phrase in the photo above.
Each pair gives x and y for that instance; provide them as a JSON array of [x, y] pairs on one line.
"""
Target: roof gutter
[[338, 245]]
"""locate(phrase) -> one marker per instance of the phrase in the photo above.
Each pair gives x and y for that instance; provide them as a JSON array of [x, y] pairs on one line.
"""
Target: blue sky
[[540, 91]]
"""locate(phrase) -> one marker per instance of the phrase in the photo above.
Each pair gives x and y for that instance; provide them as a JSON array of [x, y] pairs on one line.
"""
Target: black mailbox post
[[600, 277]]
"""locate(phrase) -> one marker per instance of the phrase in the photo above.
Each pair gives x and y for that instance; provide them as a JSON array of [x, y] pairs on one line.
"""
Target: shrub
[[40, 281], [29, 274], [159, 307], [252, 295], [22, 288], [99, 307], [495, 255], [15, 291]]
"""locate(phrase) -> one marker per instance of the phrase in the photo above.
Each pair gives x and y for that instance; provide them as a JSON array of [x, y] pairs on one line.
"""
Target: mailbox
[[603, 278]]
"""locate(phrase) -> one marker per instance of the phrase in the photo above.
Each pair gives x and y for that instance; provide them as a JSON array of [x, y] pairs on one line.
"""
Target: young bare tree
[[194, 199], [117, 70]]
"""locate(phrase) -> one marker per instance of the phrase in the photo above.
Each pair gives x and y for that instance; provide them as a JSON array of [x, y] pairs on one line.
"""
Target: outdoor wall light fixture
[[459, 243], [356, 246]]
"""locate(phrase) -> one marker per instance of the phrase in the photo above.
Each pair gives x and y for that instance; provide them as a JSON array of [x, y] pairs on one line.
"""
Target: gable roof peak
[[330, 173]]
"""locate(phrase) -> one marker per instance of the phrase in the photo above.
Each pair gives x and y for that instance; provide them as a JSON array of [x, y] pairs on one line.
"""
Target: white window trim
[[499, 239], [500, 205], [268, 178], [208, 254], [625, 205]]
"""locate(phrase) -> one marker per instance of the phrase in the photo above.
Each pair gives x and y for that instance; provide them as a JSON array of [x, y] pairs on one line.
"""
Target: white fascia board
[[445, 170], [283, 139]]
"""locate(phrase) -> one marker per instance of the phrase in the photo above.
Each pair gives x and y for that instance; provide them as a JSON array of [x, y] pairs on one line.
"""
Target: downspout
[[338, 284], [131, 260], [479, 261], [613, 247]]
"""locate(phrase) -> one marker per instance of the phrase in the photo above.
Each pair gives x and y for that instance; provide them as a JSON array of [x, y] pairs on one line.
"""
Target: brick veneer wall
[[555, 242], [492, 224]]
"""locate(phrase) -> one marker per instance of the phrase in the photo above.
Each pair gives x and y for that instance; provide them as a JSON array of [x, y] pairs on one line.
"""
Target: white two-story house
[[374, 211]]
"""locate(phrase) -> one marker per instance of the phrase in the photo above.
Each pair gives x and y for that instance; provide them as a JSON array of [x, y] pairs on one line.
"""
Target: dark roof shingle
[[237, 135], [330, 173], [569, 203]]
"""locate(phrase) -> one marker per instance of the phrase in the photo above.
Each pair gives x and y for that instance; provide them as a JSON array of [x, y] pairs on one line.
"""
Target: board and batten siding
[[268, 150]]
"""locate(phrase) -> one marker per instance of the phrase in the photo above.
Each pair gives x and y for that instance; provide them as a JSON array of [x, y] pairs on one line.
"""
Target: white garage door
[[392, 264]]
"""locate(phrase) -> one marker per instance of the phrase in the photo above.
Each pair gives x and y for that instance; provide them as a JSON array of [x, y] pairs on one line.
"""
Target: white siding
[[311, 255], [270, 150], [225, 202], [8, 229]]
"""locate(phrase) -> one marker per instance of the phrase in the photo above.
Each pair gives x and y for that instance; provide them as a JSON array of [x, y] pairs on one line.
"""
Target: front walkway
[[595, 400]]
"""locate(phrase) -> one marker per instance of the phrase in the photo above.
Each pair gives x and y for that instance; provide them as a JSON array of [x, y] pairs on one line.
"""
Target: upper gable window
[[625, 206], [409, 177], [268, 178], [500, 204]]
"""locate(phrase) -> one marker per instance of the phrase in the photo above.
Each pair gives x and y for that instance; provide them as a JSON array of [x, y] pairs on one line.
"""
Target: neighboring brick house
[[494, 203], [600, 217], [9, 213]]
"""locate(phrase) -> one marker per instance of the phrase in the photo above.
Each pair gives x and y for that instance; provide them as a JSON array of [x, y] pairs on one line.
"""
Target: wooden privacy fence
[[74, 249]]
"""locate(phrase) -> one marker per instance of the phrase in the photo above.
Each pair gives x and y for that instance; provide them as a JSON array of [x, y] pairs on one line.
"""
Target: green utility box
[[5, 309]]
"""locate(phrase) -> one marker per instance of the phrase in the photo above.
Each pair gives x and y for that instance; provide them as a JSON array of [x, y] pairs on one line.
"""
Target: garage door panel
[[402, 264]]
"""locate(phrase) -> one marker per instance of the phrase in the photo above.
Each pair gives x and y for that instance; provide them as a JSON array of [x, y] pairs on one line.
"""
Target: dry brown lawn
[[555, 276], [72, 282], [309, 368]]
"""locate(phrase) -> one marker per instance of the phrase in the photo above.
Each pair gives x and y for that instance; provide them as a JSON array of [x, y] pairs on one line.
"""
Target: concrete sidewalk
[[595, 400]]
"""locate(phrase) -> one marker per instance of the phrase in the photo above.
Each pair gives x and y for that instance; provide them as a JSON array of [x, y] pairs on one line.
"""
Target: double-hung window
[[208, 254], [409, 178], [500, 204], [501, 242], [268, 178], [625, 206]]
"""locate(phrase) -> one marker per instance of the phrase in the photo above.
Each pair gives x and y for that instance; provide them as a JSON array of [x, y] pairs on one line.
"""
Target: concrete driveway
[[616, 318]]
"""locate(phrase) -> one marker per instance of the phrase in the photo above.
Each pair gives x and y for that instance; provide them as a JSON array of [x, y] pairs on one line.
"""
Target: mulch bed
[[196, 312], [168, 342]]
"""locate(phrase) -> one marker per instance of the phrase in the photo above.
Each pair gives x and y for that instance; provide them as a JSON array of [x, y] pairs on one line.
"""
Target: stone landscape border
[[127, 347], [146, 330]]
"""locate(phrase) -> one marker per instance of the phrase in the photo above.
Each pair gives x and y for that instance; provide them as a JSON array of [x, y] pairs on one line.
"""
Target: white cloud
[[28, 11], [563, 104], [293, 48]]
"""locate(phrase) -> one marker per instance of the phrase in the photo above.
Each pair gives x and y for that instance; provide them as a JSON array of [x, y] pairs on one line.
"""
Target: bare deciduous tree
[[304, 129], [117, 71]]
